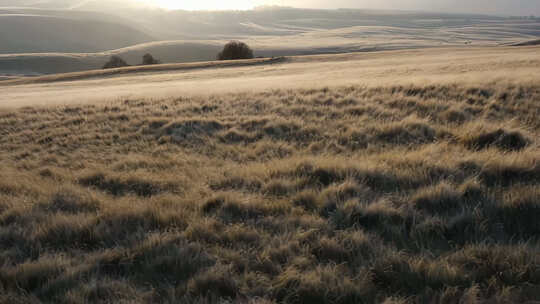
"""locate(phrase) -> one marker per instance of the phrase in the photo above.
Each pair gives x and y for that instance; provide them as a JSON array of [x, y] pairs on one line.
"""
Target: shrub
[[148, 59], [235, 50], [115, 62]]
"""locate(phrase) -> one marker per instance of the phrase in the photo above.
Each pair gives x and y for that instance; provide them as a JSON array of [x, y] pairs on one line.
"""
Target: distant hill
[[99, 5], [66, 36], [51, 63], [38, 33]]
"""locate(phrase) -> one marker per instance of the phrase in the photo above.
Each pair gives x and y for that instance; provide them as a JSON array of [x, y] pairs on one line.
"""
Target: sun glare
[[205, 4]]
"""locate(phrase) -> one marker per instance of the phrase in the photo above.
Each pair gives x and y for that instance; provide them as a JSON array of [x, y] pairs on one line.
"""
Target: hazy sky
[[501, 7]]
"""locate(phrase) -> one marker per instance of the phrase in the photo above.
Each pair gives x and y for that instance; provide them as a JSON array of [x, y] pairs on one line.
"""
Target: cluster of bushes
[[233, 50], [117, 62]]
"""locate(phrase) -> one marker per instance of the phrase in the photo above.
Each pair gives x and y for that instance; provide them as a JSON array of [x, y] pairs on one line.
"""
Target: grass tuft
[[500, 138]]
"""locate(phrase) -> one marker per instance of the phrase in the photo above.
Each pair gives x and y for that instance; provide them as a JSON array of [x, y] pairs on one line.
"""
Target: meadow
[[391, 193]]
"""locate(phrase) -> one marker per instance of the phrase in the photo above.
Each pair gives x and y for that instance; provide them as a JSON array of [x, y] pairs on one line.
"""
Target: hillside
[[47, 41], [141, 69], [422, 66], [96, 5], [386, 177], [53, 63], [24, 33]]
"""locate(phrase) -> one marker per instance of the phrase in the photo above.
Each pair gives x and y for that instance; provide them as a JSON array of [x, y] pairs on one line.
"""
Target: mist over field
[[271, 155], [497, 7], [67, 36]]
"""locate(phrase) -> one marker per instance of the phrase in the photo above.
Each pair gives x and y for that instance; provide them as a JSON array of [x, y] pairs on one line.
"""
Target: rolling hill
[[45, 41], [49, 34], [433, 65]]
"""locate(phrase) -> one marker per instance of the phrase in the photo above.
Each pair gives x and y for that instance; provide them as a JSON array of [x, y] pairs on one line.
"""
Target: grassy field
[[419, 193], [115, 72], [432, 66]]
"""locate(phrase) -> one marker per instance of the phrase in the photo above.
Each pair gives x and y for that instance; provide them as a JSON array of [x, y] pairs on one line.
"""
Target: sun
[[205, 4]]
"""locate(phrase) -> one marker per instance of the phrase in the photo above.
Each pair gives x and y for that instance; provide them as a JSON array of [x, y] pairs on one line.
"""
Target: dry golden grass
[[138, 69], [395, 194], [431, 66]]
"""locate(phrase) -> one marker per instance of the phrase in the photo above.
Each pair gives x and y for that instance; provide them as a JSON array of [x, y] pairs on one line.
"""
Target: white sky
[[206, 4], [502, 7]]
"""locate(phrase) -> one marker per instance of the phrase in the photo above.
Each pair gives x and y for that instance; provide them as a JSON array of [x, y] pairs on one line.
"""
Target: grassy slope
[[479, 65], [326, 195], [139, 69]]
